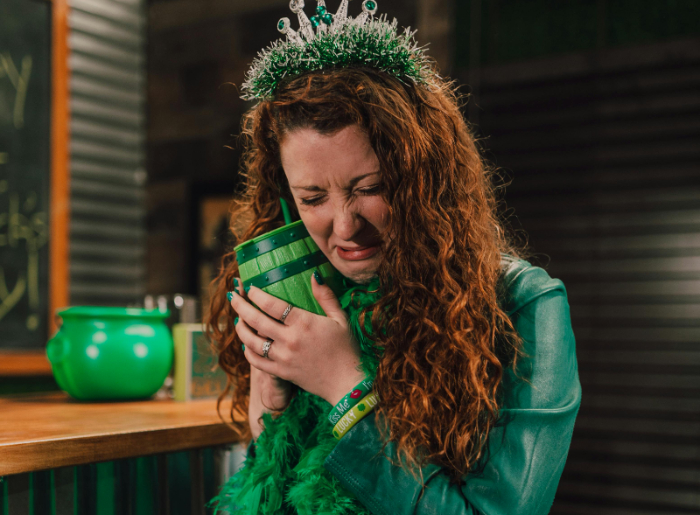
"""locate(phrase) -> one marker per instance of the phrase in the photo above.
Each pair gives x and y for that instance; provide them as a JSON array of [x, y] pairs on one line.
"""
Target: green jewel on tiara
[[337, 41]]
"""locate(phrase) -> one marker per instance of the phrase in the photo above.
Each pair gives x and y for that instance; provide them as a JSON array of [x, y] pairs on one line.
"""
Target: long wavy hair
[[445, 338]]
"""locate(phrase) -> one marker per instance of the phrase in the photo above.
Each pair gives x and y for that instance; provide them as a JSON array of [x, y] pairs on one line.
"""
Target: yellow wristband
[[353, 416]]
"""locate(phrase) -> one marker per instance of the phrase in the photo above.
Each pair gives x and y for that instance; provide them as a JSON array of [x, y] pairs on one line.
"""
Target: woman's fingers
[[272, 305], [252, 341], [255, 318], [238, 287], [263, 364], [326, 298]]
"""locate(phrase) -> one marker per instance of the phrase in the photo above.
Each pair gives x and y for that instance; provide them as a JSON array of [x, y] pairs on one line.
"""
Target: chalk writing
[[20, 82], [22, 229]]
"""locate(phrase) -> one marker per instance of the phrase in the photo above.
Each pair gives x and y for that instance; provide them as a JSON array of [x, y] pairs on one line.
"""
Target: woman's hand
[[267, 392], [314, 352]]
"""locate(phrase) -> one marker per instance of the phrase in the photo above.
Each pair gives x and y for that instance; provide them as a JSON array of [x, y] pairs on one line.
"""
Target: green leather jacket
[[526, 453]]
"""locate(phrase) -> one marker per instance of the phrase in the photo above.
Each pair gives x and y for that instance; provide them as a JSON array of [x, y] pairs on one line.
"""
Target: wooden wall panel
[[107, 62], [604, 153]]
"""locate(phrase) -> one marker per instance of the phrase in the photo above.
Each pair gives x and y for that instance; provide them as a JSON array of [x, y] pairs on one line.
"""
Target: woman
[[470, 349]]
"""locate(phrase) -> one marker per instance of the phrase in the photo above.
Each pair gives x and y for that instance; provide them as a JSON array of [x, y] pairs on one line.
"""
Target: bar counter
[[47, 431]]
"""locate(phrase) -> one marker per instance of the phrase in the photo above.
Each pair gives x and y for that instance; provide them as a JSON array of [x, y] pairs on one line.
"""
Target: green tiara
[[338, 41]]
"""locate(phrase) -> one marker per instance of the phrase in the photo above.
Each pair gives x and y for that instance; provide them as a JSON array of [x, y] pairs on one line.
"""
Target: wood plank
[[604, 178], [618, 380], [163, 490], [49, 431], [647, 404], [590, 88], [18, 363], [686, 220], [164, 16], [19, 494], [612, 61], [578, 507], [679, 264], [606, 111], [616, 132], [684, 475], [613, 447], [622, 358], [666, 497], [64, 490], [681, 431], [59, 258], [197, 499]]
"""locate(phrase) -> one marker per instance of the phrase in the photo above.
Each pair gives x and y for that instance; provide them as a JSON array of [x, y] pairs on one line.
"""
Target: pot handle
[[57, 349]]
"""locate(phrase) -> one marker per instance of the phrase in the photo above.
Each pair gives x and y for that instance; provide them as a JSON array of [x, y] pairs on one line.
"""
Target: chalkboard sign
[[25, 103]]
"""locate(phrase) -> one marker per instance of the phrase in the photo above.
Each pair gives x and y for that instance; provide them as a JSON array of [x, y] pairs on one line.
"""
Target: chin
[[360, 274], [362, 277]]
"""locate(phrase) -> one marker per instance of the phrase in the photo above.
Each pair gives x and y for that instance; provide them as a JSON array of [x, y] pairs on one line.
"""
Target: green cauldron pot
[[281, 262], [105, 353]]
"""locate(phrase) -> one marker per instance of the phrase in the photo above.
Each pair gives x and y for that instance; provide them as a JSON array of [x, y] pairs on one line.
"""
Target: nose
[[347, 223]]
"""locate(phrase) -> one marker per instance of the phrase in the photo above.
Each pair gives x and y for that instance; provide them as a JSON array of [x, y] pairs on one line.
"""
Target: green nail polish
[[229, 296], [235, 283], [318, 277], [243, 346], [235, 321], [247, 288]]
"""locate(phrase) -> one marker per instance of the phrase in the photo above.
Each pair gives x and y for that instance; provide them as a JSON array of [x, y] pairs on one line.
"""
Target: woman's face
[[335, 180]]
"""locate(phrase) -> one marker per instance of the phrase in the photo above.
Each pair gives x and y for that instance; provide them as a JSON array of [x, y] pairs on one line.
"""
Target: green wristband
[[350, 399], [355, 414]]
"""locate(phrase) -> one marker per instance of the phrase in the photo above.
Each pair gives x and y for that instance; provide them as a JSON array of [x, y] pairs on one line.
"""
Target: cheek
[[376, 212], [318, 224]]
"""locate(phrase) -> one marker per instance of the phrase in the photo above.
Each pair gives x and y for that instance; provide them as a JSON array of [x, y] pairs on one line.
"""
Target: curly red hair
[[446, 338]]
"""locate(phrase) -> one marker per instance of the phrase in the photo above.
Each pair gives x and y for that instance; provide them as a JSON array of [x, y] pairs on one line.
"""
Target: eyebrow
[[352, 183]]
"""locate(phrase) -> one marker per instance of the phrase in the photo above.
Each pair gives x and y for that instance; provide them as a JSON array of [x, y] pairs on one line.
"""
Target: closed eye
[[368, 191]]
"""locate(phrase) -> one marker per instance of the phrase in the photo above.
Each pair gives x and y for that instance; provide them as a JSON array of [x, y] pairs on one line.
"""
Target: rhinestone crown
[[328, 40]]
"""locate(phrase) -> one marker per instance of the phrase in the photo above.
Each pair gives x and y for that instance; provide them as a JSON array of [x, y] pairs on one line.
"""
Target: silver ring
[[286, 313], [266, 348]]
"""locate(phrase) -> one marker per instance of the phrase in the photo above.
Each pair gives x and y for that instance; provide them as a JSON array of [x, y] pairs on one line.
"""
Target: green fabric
[[296, 466], [526, 451]]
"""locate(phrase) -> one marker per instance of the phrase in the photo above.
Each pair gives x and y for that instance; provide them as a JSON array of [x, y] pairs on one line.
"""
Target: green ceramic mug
[[107, 353], [281, 263]]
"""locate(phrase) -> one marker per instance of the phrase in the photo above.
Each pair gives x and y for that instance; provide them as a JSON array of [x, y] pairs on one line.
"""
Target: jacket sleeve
[[526, 450]]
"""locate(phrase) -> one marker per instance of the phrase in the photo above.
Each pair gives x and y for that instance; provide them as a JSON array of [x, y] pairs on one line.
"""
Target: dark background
[[591, 109]]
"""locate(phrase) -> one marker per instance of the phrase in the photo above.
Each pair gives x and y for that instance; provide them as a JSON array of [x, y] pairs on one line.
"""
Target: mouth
[[358, 253]]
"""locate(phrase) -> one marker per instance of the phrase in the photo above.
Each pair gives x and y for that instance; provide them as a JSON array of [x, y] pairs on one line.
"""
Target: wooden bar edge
[[34, 456], [59, 213], [24, 364]]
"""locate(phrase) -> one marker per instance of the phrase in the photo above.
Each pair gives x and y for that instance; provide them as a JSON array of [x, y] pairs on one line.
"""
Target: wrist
[[355, 414], [344, 386]]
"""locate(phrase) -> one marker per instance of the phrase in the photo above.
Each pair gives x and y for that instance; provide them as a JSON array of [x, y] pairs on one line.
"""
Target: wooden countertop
[[45, 431], [16, 363]]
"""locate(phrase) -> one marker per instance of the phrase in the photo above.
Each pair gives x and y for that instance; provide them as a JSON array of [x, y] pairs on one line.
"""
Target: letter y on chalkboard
[[20, 81]]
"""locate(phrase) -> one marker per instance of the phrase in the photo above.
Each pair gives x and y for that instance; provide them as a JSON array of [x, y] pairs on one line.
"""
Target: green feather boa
[[286, 475]]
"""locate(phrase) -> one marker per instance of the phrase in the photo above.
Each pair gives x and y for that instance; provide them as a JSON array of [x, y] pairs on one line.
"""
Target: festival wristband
[[355, 414], [352, 398]]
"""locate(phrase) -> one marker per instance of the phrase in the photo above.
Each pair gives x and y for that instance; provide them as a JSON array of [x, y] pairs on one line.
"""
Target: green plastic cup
[[109, 353], [281, 263]]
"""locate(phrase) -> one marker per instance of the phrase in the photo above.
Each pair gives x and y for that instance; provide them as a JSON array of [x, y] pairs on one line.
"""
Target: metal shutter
[[107, 105], [604, 153]]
